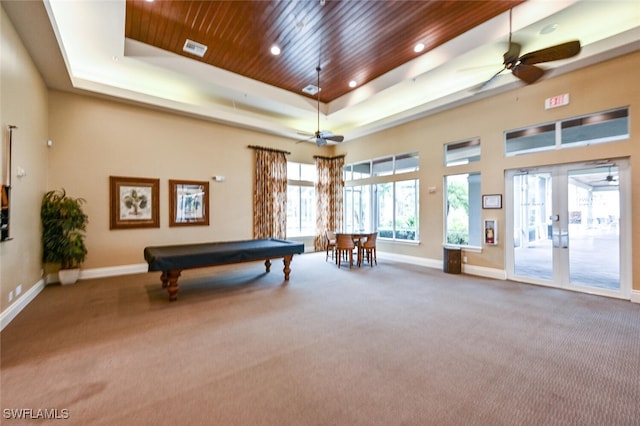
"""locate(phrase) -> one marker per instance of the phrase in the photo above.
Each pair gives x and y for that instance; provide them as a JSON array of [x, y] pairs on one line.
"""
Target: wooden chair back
[[344, 246], [345, 242], [370, 242], [331, 243], [368, 249]]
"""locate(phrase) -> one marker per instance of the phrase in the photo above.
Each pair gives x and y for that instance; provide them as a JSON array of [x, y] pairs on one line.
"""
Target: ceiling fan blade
[[527, 73], [488, 82], [511, 55], [553, 53], [334, 138]]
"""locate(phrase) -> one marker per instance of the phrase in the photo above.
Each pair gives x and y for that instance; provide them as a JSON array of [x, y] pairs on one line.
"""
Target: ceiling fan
[[610, 178], [323, 136], [523, 66]]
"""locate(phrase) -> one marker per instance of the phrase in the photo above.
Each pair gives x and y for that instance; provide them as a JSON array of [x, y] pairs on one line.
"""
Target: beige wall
[[94, 139], [600, 87], [23, 103]]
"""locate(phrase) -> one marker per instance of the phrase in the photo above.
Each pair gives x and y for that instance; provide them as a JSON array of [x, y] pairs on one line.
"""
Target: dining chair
[[368, 249], [331, 244], [344, 246]]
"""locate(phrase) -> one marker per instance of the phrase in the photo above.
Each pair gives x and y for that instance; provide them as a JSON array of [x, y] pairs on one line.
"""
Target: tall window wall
[[301, 199], [382, 195]]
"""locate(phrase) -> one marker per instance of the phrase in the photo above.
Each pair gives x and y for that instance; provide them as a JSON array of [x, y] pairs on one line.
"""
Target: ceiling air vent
[[194, 48], [310, 89]]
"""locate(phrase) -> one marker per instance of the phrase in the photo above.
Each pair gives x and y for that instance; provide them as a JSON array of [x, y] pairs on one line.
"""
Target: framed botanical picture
[[492, 201], [188, 202], [134, 202]]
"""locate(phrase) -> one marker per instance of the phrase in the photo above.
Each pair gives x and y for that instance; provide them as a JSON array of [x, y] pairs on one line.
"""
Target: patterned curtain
[[270, 194], [328, 198]]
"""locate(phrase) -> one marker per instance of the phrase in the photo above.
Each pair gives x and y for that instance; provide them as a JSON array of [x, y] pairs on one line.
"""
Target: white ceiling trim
[[99, 59]]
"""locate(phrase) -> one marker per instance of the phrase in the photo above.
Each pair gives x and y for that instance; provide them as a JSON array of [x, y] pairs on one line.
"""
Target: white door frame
[[560, 256]]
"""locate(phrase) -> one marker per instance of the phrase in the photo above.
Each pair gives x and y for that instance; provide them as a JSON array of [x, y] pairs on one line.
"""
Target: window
[[389, 207], [396, 209], [601, 127], [383, 166], [386, 166], [532, 139], [357, 201], [301, 199], [406, 163], [464, 152], [463, 210], [596, 128], [406, 210]]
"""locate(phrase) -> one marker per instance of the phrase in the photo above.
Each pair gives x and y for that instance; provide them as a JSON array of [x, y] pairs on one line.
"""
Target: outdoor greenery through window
[[301, 199], [389, 207], [463, 210]]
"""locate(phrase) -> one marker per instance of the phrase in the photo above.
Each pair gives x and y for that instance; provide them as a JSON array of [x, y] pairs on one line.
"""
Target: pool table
[[173, 259]]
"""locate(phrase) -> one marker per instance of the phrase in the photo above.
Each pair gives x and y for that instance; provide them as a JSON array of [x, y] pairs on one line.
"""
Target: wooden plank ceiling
[[352, 40]]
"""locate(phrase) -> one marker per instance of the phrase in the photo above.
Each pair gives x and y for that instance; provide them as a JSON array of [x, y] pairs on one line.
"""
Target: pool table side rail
[[189, 256]]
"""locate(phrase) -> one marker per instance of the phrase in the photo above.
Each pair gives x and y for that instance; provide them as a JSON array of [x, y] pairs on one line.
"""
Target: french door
[[571, 227]]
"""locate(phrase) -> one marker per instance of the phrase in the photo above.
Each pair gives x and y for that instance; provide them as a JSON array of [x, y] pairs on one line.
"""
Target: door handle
[[564, 238]]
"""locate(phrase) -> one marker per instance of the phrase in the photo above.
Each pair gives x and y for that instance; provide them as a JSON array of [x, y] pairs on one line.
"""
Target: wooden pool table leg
[[267, 264], [287, 262], [170, 282]]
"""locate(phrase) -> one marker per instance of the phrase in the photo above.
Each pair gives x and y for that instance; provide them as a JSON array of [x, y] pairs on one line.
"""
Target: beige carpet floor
[[395, 344]]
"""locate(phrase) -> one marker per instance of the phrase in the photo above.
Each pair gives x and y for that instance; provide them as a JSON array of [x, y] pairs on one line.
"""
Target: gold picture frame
[[134, 202], [188, 203]]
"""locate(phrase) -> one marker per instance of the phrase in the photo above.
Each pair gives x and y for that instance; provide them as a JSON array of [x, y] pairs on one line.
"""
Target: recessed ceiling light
[[353, 84], [275, 50], [418, 48], [311, 89], [548, 29]]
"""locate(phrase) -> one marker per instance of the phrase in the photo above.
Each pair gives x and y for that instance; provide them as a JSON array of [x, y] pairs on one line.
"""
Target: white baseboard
[[16, 307], [110, 271], [635, 296], [481, 271], [413, 260]]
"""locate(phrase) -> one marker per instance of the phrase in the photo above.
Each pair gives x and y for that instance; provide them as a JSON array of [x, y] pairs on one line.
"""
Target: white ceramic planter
[[68, 276]]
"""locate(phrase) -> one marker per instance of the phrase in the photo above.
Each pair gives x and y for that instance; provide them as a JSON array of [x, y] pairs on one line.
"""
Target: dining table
[[357, 237]]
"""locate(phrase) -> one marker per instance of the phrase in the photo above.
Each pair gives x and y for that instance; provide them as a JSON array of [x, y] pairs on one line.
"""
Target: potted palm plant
[[64, 225]]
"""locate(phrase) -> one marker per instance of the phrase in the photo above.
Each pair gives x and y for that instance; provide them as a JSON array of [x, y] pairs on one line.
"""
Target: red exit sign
[[556, 101]]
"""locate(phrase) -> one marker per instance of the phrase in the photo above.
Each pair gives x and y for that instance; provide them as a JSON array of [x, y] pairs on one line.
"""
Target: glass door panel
[[567, 223], [532, 248], [593, 199]]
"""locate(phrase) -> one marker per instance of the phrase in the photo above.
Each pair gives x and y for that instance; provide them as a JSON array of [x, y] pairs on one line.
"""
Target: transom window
[[386, 166], [463, 152], [601, 127]]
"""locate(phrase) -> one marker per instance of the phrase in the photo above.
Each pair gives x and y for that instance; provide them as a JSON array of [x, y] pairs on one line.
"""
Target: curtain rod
[[269, 149], [329, 158]]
